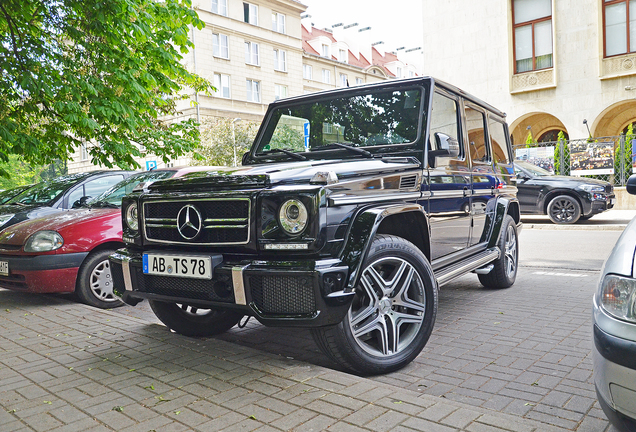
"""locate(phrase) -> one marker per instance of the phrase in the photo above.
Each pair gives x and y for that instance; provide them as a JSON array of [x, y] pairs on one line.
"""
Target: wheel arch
[[395, 219], [554, 193], [107, 245]]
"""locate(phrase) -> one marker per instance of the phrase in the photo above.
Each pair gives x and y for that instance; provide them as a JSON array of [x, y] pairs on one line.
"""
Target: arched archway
[[538, 123], [614, 119]]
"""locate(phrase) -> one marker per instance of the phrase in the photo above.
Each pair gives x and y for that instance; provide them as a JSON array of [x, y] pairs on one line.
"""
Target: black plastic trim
[[619, 420], [44, 262], [615, 349]]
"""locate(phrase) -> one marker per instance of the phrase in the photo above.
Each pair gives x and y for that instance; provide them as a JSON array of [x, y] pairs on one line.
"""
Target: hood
[[621, 259], [61, 220], [297, 172]]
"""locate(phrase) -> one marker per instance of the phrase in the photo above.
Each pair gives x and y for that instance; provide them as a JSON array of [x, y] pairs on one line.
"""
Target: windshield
[[374, 119], [114, 195], [532, 169], [10, 193], [45, 193]]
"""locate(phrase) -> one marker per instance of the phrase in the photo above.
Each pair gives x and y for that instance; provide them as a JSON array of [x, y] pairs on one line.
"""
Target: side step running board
[[453, 271]]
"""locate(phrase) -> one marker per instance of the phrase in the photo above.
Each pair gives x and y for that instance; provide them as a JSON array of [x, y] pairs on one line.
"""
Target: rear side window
[[444, 120], [475, 124], [499, 142]]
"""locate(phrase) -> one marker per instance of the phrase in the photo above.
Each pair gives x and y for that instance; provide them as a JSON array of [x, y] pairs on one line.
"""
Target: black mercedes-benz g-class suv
[[351, 209]]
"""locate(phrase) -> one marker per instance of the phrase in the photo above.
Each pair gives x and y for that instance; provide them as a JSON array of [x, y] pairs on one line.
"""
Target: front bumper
[[306, 293], [42, 273], [615, 374], [597, 206]]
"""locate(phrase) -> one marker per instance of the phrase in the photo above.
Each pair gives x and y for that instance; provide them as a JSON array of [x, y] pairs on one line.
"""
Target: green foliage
[[561, 144], [102, 72], [626, 158], [217, 141], [22, 173], [530, 140], [286, 137]]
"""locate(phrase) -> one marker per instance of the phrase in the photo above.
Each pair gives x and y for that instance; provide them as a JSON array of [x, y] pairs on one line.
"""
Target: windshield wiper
[[103, 204], [18, 203], [287, 152], [346, 147]]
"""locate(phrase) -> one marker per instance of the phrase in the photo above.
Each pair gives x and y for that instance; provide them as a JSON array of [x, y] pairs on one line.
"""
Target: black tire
[[504, 273], [94, 284], [564, 209], [190, 321], [398, 272]]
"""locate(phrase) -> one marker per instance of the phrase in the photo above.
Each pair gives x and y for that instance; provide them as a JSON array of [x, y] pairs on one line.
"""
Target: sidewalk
[[613, 220], [69, 367]]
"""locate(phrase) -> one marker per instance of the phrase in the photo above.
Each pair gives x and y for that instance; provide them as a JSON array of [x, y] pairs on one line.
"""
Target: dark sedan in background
[[58, 194], [565, 199]]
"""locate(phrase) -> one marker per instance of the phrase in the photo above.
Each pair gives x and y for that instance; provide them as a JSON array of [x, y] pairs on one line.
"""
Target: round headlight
[[293, 216], [44, 241], [131, 216]]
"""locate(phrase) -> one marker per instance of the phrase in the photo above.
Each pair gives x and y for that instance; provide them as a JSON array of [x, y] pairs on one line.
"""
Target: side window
[[444, 120], [76, 194], [99, 185], [475, 126], [499, 142]]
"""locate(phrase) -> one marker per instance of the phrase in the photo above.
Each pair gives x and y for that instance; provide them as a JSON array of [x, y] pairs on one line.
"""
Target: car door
[[447, 190]]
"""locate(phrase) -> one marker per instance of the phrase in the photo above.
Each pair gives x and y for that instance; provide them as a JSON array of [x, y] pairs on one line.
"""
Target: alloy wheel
[[389, 307]]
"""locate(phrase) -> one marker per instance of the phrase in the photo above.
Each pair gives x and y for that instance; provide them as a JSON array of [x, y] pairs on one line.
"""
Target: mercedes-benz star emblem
[[189, 222]]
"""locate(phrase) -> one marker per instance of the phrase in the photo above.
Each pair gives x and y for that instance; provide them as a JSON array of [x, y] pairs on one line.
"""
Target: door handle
[[466, 191]]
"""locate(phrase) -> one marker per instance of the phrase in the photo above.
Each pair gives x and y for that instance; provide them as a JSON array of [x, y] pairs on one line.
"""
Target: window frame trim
[[532, 23], [604, 4]]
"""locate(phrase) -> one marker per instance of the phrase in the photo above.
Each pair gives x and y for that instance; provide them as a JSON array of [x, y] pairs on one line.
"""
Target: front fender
[[362, 232]]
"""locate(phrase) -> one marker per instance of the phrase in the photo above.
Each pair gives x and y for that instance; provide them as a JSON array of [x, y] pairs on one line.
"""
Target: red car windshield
[[112, 197]]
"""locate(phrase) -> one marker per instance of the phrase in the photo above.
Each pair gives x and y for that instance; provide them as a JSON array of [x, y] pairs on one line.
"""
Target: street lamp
[[234, 137], [588, 128]]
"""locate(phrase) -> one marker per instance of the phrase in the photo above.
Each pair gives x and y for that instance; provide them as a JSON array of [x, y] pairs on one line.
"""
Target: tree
[[530, 140], [624, 159], [561, 144], [217, 141], [23, 173], [98, 72]]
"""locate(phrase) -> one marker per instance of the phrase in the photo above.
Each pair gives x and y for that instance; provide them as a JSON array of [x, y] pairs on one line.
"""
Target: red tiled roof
[[316, 33]]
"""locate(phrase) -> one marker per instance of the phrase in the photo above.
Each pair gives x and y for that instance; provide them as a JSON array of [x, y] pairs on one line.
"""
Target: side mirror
[[522, 176], [81, 202], [631, 185], [245, 158], [446, 146]]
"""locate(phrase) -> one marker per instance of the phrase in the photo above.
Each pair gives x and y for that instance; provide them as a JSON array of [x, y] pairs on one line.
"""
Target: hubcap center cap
[[384, 306]]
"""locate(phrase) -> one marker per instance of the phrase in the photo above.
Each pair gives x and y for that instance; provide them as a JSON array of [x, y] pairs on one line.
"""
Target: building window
[[358, 81], [325, 50], [411, 74], [399, 72], [253, 91], [532, 30], [308, 72], [219, 7], [620, 27], [83, 152], [250, 13], [278, 22], [222, 84], [344, 80], [251, 53], [342, 55], [326, 76], [220, 46], [280, 91], [280, 60]]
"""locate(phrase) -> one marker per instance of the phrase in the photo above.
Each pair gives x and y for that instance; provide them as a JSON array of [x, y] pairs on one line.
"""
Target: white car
[[615, 330]]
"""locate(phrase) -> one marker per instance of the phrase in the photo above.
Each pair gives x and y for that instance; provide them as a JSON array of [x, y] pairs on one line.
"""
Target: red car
[[68, 252]]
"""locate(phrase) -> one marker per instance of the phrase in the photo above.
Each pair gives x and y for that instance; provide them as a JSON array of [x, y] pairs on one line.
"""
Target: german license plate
[[187, 266], [4, 268], [612, 201]]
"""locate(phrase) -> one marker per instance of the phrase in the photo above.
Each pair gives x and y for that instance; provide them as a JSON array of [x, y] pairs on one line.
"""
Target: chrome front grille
[[214, 221]]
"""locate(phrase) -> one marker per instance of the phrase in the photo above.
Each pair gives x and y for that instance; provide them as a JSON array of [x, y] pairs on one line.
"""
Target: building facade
[[550, 64], [258, 51]]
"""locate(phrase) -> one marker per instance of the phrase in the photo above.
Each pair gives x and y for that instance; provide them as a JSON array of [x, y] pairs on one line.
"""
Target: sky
[[398, 23]]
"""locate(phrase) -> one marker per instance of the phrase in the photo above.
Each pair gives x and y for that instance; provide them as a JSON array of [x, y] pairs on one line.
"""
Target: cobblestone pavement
[[68, 367], [525, 350]]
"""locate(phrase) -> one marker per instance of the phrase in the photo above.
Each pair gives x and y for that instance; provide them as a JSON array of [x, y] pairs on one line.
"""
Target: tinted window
[[444, 121], [475, 121], [499, 142], [381, 118]]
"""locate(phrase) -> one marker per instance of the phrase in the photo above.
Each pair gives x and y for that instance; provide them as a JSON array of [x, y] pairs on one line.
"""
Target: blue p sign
[[150, 165]]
